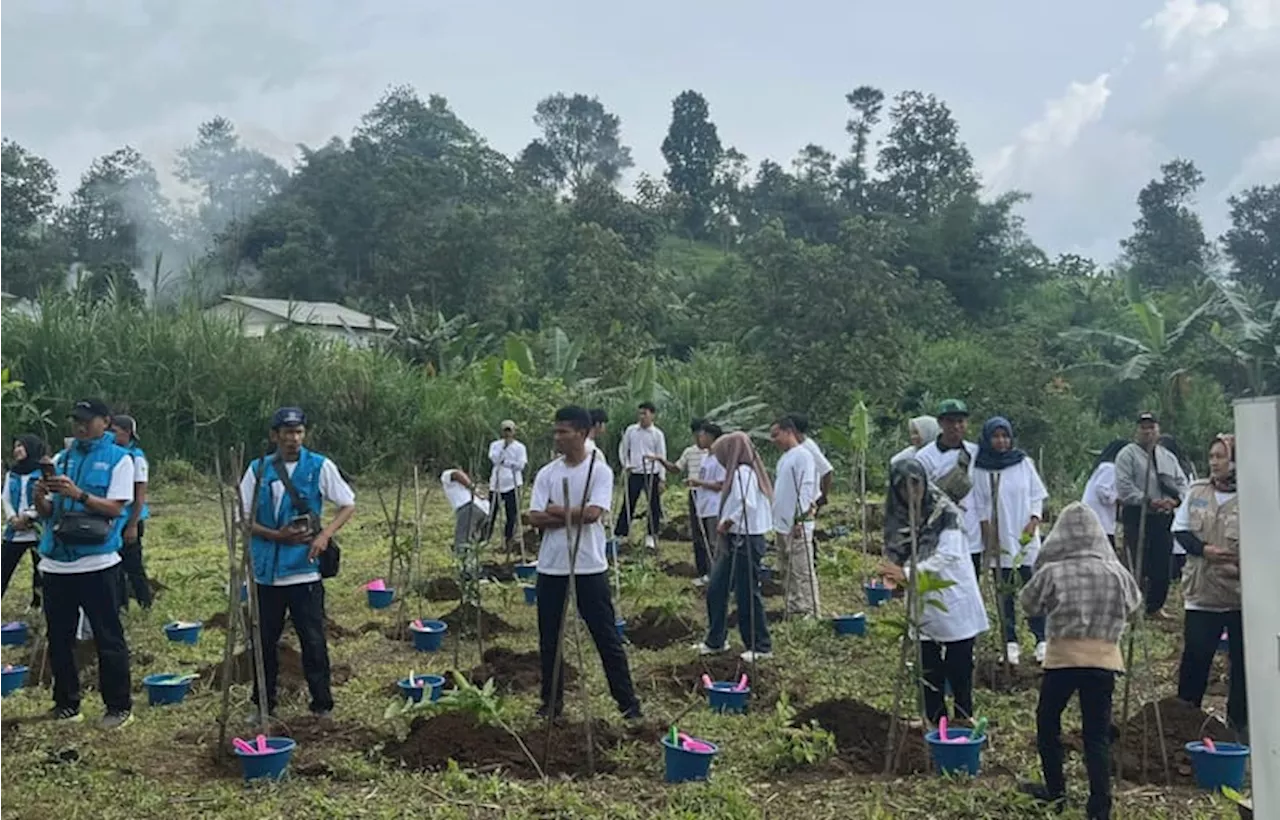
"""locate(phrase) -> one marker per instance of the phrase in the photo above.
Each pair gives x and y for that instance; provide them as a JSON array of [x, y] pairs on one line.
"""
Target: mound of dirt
[[290, 676], [771, 588], [686, 678], [1182, 723], [458, 736], [683, 569], [654, 629], [504, 573], [995, 676], [218, 620], [861, 731], [771, 616], [515, 671], [443, 588], [462, 621]]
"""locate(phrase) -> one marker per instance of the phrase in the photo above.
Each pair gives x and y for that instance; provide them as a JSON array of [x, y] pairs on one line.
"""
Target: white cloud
[[1261, 166], [1187, 17], [1258, 15], [1054, 132]]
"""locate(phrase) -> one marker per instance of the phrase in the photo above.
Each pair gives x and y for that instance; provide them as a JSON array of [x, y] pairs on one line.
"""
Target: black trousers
[[133, 579], [510, 508], [94, 592], [638, 484], [11, 556], [1200, 635], [948, 663], [1095, 687], [596, 608], [304, 604], [1157, 552], [701, 540]]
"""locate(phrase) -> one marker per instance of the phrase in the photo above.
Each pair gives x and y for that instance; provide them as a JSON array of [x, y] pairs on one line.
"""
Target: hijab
[[989, 458], [935, 515], [927, 427], [35, 451], [1227, 483], [734, 450], [1109, 453]]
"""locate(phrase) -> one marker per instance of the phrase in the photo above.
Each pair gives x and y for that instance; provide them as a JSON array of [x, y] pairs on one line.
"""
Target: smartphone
[[300, 522], [47, 469]]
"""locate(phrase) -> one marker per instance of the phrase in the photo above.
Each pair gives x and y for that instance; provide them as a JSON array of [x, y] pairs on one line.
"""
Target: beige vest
[[1206, 585]]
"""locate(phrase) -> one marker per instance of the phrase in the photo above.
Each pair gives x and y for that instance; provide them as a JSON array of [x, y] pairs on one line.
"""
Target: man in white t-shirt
[[81, 506], [133, 571], [826, 473], [949, 463], [690, 464], [289, 537], [571, 496], [470, 508], [509, 458], [795, 500], [645, 474]]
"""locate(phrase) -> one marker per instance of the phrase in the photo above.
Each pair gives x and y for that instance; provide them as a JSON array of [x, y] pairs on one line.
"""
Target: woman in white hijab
[[922, 430]]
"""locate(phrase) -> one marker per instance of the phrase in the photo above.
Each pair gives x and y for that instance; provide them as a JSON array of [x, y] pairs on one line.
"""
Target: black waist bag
[[82, 529]]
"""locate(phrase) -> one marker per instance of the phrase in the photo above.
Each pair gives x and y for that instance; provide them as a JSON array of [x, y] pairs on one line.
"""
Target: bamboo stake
[[255, 610], [233, 606], [892, 740]]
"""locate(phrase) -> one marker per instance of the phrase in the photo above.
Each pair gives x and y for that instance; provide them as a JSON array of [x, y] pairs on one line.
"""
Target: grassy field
[[164, 765]]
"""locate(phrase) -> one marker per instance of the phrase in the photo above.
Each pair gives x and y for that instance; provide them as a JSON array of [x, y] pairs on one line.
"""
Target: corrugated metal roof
[[327, 314]]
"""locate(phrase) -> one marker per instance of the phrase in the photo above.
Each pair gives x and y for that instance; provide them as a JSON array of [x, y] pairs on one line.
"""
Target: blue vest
[[136, 452], [90, 468], [271, 559], [14, 491]]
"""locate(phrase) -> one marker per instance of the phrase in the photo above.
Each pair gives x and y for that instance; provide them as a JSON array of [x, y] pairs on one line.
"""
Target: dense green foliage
[[885, 274]]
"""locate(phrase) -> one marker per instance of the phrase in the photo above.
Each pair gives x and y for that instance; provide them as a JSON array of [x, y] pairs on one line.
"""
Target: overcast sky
[[1075, 102]]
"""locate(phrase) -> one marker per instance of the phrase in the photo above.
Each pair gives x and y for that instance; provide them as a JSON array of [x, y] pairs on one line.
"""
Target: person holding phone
[[81, 507], [285, 494], [21, 534]]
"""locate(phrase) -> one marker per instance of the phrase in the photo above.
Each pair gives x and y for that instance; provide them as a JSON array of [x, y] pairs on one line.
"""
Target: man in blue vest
[[133, 572], [82, 508], [287, 543]]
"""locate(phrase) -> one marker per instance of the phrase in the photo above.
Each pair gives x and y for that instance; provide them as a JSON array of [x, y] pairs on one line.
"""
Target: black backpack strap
[[299, 503]]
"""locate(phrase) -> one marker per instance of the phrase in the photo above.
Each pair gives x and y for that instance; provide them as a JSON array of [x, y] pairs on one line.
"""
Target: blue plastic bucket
[[850, 624], [1222, 767], [683, 765], [188, 633], [380, 598], [430, 636], [620, 624], [430, 683], [13, 633], [722, 697], [269, 766], [527, 572], [877, 595], [530, 594], [14, 679], [964, 757], [163, 690]]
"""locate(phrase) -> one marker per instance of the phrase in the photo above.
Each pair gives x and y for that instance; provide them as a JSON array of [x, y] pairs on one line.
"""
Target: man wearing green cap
[[948, 461]]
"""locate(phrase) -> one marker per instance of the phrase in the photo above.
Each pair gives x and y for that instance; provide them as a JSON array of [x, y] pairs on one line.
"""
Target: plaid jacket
[[1079, 584]]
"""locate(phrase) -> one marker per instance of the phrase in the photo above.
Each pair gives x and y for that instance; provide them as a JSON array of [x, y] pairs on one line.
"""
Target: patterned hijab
[[935, 515], [1227, 483]]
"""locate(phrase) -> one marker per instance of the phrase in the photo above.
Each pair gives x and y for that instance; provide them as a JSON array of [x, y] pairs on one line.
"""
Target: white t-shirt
[[707, 502], [333, 488], [548, 490], [746, 501], [1182, 514], [460, 496], [690, 460], [141, 469], [639, 441], [120, 489], [509, 461], [938, 463], [820, 463], [1022, 496], [906, 452], [1100, 495], [795, 488]]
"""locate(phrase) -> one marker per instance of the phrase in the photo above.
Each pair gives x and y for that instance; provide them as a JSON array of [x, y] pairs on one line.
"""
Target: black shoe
[[633, 712], [544, 712], [1041, 793], [66, 714]]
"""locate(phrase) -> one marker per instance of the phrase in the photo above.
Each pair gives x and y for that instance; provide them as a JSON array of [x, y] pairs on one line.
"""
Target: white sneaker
[[702, 649], [1041, 649], [650, 543], [702, 581], [752, 657], [1013, 652]]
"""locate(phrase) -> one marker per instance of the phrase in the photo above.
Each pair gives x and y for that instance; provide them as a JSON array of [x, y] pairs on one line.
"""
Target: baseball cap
[[86, 409], [952, 407], [126, 423], [1147, 417], [508, 424], [288, 417]]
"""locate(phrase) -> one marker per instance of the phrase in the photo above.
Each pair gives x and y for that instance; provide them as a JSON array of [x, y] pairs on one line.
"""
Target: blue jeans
[[1036, 622], [738, 565]]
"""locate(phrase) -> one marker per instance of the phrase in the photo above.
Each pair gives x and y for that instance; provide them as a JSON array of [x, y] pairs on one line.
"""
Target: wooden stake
[[233, 606]]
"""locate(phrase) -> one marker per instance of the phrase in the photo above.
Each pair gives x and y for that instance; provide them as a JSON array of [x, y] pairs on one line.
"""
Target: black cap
[[1147, 417], [126, 423], [86, 409], [288, 417]]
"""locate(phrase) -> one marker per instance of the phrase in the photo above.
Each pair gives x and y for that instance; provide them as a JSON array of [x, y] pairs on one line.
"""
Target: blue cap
[[288, 417]]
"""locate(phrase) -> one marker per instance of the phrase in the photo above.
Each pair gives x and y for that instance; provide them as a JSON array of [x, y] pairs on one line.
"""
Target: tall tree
[[925, 166], [1253, 241], [580, 139], [30, 185], [866, 102], [1168, 246], [236, 181], [692, 150]]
